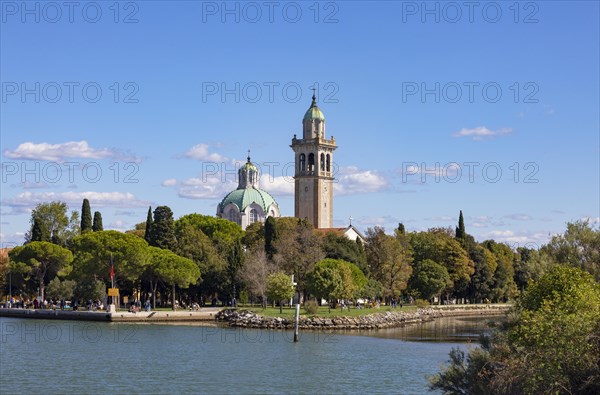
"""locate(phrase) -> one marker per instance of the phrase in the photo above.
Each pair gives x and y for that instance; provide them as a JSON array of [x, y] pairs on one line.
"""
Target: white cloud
[[352, 180], [26, 201], [518, 217], [205, 188], [65, 151], [200, 152], [516, 239], [169, 182], [481, 132], [278, 186]]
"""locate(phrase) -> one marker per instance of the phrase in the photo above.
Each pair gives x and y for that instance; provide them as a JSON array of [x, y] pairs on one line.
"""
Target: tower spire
[[248, 156], [314, 97]]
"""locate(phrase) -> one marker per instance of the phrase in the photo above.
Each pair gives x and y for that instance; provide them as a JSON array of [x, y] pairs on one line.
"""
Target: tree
[[440, 246], [401, 230], [40, 259], [90, 289], [298, 249], [428, 279], [52, 218], [39, 232], [255, 273], [340, 247], [280, 288], [94, 250], [162, 232], [209, 255], [60, 290], [173, 269], [86, 217], [271, 236], [579, 247], [550, 346], [254, 236], [97, 226], [482, 282], [336, 279], [460, 229], [503, 285], [389, 260], [148, 228]]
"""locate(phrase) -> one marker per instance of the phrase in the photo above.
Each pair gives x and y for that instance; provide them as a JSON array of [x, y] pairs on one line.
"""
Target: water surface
[[89, 357]]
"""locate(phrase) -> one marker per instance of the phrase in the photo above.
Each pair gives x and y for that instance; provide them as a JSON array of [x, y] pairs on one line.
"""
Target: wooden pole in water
[[296, 322]]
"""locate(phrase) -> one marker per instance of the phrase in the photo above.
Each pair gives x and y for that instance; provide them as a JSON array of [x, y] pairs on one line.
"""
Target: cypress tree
[[460, 229], [86, 217], [401, 228], [147, 233], [39, 231], [162, 233], [97, 227]]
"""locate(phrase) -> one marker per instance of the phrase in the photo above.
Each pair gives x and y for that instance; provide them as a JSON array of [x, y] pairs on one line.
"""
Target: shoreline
[[374, 321], [248, 319]]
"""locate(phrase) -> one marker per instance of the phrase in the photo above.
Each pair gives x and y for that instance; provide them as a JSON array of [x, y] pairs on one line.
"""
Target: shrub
[[311, 307]]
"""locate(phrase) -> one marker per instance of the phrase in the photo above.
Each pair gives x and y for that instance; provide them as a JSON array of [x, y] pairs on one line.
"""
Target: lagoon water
[[38, 356]]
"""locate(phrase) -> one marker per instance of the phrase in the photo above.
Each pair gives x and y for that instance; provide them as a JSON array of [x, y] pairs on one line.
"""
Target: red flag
[[112, 269]]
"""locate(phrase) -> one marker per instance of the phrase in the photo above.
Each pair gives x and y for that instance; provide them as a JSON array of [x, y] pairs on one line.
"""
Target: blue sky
[[153, 103]]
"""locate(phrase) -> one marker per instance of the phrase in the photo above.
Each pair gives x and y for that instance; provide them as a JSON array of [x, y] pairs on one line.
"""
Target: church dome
[[243, 198], [248, 203], [314, 112]]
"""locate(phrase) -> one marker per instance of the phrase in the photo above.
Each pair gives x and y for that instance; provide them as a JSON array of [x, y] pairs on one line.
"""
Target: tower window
[[302, 163], [328, 162], [322, 162], [253, 216], [311, 162]]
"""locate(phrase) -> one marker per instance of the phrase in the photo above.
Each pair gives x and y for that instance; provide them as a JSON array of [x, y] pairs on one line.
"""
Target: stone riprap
[[388, 319]]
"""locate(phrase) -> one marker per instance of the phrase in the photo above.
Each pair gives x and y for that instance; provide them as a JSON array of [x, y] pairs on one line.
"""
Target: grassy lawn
[[324, 311]]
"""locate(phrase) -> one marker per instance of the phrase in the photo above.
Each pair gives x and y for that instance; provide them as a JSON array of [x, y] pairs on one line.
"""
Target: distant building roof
[[349, 232]]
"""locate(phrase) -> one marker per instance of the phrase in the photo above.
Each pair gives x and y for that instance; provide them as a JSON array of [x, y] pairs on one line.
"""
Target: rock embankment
[[249, 319]]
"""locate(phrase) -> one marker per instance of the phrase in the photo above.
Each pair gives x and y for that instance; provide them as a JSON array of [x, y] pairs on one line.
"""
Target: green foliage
[[389, 260], [340, 247], [93, 252], [148, 228], [279, 287], [162, 232], [40, 260], [482, 281], [221, 231], [298, 249], [504, 286], [551, 345], [90, 290], [86, 217], [441, 247], [336, 279], [58, 290], [579, 247], [428, 279], [271, 235], [372, 290], [53, 223], [192, 243], [39, 232], [244, 297], [311, 307], [254, 236], [97, 225], [173, 269], [460, 229], [401, 229]]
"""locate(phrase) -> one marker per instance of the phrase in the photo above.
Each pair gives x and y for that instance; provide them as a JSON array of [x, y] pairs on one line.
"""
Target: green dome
[[242, 198], [314, 112]]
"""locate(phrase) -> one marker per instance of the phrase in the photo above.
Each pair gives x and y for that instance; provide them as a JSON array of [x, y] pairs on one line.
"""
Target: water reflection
[[443, 330]]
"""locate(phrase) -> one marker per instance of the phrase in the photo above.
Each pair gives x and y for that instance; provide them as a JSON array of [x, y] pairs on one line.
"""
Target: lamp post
[[297, 315]]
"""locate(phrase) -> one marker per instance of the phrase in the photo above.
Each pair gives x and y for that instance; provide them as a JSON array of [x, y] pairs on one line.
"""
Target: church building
[[248, 203], [313, 175]]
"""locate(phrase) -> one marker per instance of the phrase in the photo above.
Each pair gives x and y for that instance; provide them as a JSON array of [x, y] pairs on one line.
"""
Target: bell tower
[[313, 174]]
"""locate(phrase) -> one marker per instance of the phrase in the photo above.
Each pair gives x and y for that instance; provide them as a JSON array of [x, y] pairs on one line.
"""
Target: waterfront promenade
[[205, 314]]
